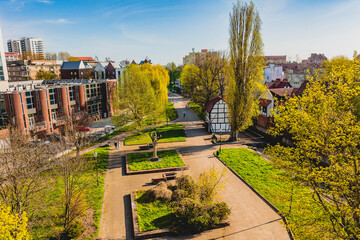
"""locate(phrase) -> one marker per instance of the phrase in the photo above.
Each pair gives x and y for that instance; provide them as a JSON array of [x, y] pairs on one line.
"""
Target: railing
[[40, 126]]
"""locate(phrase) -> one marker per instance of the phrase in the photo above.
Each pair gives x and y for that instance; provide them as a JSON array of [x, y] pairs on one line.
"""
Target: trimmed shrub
[[188, 185], [191, 216], [160, 191], [177, 195]]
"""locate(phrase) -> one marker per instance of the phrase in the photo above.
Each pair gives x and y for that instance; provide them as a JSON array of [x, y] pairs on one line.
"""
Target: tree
[[325, 150], [45, 75], [174, 72], [63, 56], [72, 170], [20, 174], [50, 56], [11, 226], [244, 85], [141, 94], [204, 80]]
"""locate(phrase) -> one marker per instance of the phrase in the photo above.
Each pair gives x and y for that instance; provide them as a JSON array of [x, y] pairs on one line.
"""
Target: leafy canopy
[[325, 131]]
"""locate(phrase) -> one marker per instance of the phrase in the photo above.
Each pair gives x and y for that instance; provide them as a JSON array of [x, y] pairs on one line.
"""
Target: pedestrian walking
[[184, 113], [115, 144], [118, 144]]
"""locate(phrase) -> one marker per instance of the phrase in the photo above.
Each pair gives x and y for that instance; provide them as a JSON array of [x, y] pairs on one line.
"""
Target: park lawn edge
[[302, 193], [164, 163], [131, 139]]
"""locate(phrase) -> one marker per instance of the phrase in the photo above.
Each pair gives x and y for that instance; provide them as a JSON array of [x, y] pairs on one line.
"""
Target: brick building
[[43, 107]]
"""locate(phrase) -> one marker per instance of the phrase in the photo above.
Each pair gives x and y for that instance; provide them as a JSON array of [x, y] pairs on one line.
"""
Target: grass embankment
[[140, 161], [169, 133], [171, 113], [306, 218], [152, 215], [198, 110], [49, 219]]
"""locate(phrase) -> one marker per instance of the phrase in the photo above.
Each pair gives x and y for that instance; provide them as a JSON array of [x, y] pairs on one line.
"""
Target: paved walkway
[[250, 217]]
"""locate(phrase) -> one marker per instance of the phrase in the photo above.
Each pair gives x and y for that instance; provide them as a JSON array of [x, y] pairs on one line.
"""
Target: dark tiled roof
[[264, 102], [211, 103], [71, 65]]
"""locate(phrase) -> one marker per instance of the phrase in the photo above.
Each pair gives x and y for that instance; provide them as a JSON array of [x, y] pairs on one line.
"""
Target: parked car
[[84, 129]]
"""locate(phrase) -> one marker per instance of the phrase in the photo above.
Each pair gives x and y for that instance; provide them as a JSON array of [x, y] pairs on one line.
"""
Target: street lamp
[[97, 170], [220, 139]]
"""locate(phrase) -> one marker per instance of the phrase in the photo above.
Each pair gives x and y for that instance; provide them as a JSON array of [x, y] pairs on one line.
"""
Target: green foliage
[[191, 216], [152, 215], [198, 110], [174, 72], [325, 154], [41, 75], [204, 80], [307, 219], [169, 133], [244, 84], [141, 160], [141, 94], [75, 230], [171, 113]]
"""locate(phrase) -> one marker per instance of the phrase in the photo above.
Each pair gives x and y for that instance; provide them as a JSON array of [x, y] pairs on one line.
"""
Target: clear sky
[[166, 30]]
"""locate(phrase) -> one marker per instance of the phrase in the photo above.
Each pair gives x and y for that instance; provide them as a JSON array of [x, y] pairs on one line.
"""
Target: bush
[[187, 184], [160, 192], [177, 195], [191, 216], [76, 229]]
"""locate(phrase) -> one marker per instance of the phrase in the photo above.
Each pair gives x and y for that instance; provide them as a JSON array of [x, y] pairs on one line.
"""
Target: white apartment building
[[30, 45], [14, 46], [273, 72], [4, 84]]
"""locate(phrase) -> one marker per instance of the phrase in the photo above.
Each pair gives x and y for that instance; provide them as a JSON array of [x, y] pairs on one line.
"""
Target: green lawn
[[307, 219], [152, 215], [140, 161], [170, 133], [48, 219], [171, 113]]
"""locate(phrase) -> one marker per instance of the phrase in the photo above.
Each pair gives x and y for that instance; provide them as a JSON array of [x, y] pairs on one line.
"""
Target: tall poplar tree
[[244, 84]]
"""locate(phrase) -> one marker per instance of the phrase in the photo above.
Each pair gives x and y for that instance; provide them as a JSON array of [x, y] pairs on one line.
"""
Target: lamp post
[[97, 170], [220, 139]]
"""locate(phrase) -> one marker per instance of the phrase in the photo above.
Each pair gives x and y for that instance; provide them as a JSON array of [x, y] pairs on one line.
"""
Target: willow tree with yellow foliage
[[325, 155], [141, 94], [244, 85]]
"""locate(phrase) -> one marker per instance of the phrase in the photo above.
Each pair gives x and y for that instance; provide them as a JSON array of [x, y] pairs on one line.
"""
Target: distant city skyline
[[166, 31]]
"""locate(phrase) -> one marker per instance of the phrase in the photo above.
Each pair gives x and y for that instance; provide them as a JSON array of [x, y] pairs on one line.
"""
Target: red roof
[[281, 92], [86, 59], [278, 84], [264, 102], [282, 57], [211, 103]]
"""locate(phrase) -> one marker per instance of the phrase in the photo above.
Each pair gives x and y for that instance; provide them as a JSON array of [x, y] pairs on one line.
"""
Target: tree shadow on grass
[[163, 222]]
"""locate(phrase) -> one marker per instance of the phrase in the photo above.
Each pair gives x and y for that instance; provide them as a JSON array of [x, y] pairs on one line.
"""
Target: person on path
[[115, 144], [118, 144], [184, 113]]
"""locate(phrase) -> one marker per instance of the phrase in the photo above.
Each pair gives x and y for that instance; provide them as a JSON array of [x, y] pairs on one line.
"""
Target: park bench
[[146, 147], [164, 177]]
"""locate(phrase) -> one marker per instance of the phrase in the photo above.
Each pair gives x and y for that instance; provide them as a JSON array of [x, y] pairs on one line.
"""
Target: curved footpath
[[251, 218]]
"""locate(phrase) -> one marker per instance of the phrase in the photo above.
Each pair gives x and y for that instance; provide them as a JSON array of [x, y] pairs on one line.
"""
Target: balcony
[[39, 126], [59, 120]]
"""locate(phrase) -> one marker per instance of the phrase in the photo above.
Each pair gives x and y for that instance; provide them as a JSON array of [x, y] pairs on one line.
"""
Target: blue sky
[[165, 30]]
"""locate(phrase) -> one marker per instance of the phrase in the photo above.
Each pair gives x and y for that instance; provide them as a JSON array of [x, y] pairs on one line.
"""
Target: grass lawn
[[307, 219], [49, 218], [140, 161], [152, 215], [169, 133]]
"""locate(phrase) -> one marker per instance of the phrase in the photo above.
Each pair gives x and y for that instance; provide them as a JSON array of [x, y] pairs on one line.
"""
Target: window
[[30, 104], [87, 91], [52, 96], [71, 93], [31, 119]]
